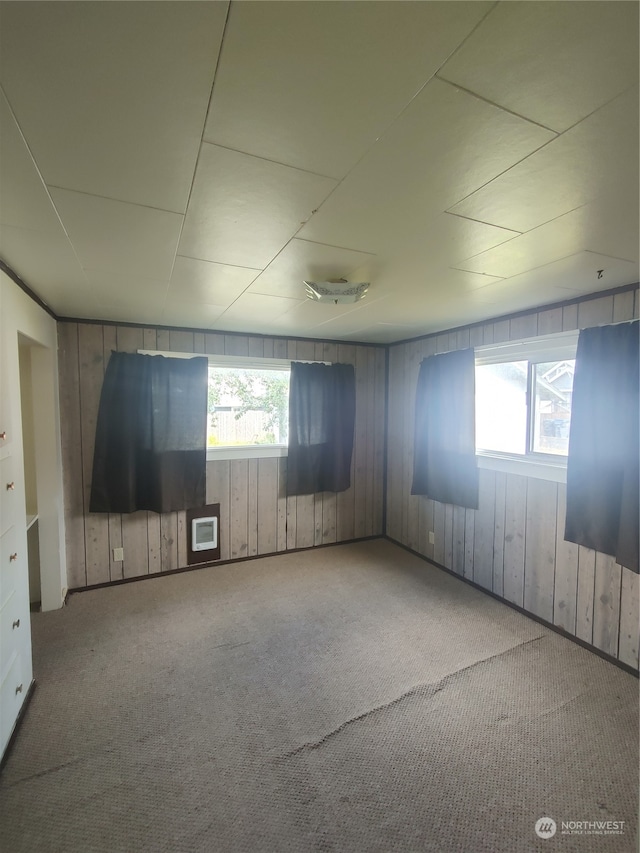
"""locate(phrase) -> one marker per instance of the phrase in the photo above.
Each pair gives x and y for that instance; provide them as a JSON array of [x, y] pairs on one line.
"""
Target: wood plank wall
[[513, 544], [256, 517]]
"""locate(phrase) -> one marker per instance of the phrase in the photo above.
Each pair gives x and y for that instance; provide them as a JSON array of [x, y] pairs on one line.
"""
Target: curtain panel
[[322, 405], [602, 465], [151, 435], [444, 458]]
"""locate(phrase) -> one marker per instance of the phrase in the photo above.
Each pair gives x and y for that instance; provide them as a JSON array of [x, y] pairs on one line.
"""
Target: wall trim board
[[498, 318], [555, 628], [15, 278], [18, 723], [212, 565]]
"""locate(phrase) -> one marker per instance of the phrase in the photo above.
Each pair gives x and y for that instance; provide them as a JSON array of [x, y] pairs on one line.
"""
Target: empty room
[[319, 445]]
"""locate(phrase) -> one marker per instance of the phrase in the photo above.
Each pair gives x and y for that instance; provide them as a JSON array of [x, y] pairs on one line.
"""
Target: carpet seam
[[429, 689]]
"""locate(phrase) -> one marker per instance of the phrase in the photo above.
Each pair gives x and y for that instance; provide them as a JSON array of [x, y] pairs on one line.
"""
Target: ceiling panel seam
[[266, 267], [331, 246], [463, 42], [516, 233], [531, 153], [118, 200], [278, 253], [195, 168], [542, 266], [498, 106], [270, 160], [399, 114], [219, 263], [499, 175], [600, 107], [48, 194]]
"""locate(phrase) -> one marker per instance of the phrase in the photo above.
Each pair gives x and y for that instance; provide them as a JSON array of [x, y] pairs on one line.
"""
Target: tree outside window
[[247, 406]]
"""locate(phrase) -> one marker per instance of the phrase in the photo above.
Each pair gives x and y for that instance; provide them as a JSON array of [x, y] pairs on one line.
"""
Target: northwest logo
[[545, 827]]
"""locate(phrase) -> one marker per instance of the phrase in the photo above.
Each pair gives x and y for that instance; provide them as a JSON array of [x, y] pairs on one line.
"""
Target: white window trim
[[524, 465], [245, 451], [544, 348], [554, 347]]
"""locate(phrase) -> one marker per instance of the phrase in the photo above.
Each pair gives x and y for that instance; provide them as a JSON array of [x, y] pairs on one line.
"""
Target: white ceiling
[[190, 163]]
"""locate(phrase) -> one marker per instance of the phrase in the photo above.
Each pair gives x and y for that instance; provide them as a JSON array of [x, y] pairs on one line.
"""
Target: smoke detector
[[338, 291]]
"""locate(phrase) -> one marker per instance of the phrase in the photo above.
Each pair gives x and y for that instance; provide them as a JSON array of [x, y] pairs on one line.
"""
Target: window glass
[[247, 406], [552, 390], [523, 404], [501, 407]]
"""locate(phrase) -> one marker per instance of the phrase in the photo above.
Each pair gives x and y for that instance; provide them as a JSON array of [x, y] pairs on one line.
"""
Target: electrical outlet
[[118, 555], [432, 538]]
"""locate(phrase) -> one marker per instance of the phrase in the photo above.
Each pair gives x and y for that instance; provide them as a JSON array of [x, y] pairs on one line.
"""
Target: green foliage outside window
[[246, 391]]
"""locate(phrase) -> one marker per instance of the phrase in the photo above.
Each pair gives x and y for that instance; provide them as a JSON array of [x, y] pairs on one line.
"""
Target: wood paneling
[[96, 526], [606, 604], [569, 317], [219, 491], [550, 321], [629, 641], [238, 528], [256, 517], [457, 557], [305, 508], [484, 530], [345, 501], [267, 506], [116, 567], [514, 545], [623, 306], [566, 577], [585, 593], [168, 541], [72, 467], [498, 533], [395, 438], [540, 547], [469, 535], [523, 327], [595, 311]]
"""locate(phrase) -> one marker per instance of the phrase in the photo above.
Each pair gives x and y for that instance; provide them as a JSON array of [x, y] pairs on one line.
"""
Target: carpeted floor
[[350, 698]]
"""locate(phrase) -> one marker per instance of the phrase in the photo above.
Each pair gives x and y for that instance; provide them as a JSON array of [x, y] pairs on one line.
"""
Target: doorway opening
[[37, 403]]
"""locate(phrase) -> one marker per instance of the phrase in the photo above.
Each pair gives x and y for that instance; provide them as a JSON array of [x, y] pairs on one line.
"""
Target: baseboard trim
[[213, 564], [19, 719], [590, 648]]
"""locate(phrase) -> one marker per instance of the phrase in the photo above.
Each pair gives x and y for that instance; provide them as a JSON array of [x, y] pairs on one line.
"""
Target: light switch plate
[[118, 555]]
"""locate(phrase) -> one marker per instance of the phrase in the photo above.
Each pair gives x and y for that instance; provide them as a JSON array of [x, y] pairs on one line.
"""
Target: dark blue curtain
[[602, 466], [151, 435], [444, 456], [322, 405]]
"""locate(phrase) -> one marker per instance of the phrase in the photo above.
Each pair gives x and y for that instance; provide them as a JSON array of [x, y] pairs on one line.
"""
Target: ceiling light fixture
[[337, 291]]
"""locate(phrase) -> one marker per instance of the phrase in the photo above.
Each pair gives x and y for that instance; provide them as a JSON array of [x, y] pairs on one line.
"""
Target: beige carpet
[[351, 699]]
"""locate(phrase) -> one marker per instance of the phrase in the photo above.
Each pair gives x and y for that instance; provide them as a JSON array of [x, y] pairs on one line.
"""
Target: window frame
[[543, 348], [245, 451]]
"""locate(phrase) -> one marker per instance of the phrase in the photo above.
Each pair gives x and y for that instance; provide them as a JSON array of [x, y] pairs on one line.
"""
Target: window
[[523, 404], [248, 405]]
